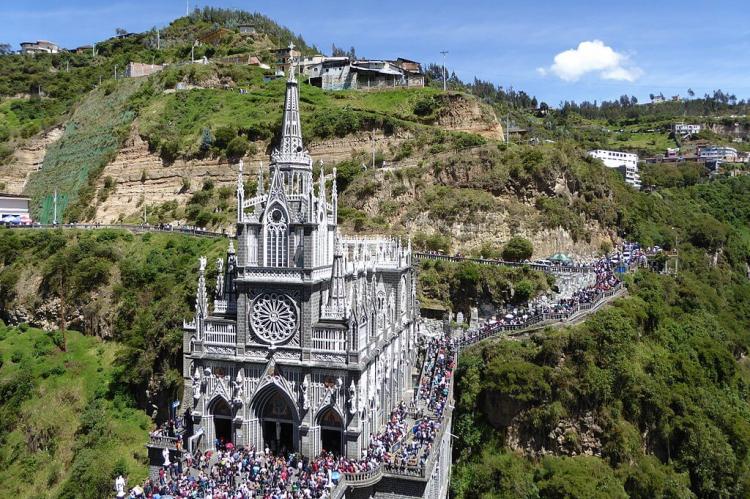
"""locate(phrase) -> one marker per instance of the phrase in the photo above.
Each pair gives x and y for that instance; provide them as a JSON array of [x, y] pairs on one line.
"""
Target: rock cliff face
[[165, 182], [513, 214], [469, 115], [27, 158]]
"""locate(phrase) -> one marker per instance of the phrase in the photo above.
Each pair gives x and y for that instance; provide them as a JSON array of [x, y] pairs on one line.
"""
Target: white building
[[312, 336], [14, 209], [712, 153], [686, 128], [626, 162], [39, 47]]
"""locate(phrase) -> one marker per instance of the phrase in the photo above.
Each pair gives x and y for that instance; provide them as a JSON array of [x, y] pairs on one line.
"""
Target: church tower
[[298, 353]]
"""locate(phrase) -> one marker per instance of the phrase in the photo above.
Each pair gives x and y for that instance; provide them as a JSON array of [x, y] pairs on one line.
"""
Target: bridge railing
[[162, 441], [582, 269], [129, 227], [499, 327]]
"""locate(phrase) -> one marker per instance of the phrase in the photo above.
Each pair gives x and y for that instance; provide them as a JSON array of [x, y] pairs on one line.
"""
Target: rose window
[[274, 317]]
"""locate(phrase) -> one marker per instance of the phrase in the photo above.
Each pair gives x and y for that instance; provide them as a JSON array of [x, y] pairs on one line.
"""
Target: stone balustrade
[[554, 269]]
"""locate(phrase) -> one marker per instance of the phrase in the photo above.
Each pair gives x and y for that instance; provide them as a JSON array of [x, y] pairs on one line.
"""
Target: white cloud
[[592, 57]]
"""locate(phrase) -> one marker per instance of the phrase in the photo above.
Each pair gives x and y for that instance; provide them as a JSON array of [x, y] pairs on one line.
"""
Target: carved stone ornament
[[304, 387], [352, 398], [197, 384], [274, 317]]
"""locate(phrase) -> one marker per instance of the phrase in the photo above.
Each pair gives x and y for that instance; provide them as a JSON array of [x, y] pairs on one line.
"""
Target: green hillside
[[63, 434], [649, 398]]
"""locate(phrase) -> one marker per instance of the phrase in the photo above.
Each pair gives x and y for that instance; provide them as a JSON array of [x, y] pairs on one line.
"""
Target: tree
[[206, 140], [121, 31], [690, 93], [5, 49], [237, 148], [517, 249], [223, 136]]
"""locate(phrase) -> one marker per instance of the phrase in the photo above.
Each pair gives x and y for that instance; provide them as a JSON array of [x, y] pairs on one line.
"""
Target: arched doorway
[[278, 422], [222, 415], [331, 431]]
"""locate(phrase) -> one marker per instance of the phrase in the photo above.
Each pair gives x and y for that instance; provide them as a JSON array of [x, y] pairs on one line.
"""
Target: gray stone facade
[[309, 339]]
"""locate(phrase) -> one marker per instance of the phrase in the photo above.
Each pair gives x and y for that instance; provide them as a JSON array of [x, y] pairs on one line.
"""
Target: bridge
[[418, 477], [426, 475]]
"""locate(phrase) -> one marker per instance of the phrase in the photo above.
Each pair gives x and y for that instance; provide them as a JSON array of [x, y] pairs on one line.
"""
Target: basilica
[[309, 338]]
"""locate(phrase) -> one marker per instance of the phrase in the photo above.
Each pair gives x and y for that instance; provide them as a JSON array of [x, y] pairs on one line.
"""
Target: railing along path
[[137, 229]]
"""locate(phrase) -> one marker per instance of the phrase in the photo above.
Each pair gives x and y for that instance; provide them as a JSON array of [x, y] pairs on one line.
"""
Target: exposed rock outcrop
[[27, 158], [469, 115], [142, 175]]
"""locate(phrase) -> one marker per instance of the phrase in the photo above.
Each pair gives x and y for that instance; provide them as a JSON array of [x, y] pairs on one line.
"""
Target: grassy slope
[[91, 139], [182, 116], [53, 440]]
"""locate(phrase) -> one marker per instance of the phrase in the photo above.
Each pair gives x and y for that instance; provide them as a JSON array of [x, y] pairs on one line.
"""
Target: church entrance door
[[331, 431], [222, 414], [277, 423]]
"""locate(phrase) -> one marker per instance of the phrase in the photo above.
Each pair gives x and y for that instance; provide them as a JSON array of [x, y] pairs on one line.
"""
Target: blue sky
[[635, 47]]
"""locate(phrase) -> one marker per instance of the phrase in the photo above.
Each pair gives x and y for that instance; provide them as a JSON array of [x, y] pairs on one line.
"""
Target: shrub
[[169, 150], [425, 106], [237, 148], [224, 136], [517, 249]]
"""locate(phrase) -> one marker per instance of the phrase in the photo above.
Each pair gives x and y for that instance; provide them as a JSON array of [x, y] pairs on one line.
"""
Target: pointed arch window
[[277, 243]]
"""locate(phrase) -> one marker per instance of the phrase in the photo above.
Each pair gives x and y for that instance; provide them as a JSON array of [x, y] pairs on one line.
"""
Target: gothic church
[[309, 340]]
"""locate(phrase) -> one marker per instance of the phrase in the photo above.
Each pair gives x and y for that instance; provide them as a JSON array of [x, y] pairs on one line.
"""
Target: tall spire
[[337, 307], [240, 195], [291, 146], [334, 197], [201, 298]]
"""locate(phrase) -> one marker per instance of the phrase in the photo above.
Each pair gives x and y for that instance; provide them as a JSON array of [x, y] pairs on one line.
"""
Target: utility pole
[[54, 216], [187, 7], [192, 53], [372, 137], [158, 40], [445, 83], [143, 190], [67, 66], [115, 71]]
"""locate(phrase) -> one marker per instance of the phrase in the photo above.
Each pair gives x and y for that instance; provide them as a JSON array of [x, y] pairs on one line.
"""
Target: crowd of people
[[247, 473], [605, 280]]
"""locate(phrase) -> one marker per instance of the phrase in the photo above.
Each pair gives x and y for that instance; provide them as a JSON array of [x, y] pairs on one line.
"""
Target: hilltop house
[[39, 47], [285, 56], [339, 73], [247, 29], [83, 49], [686, 129]]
